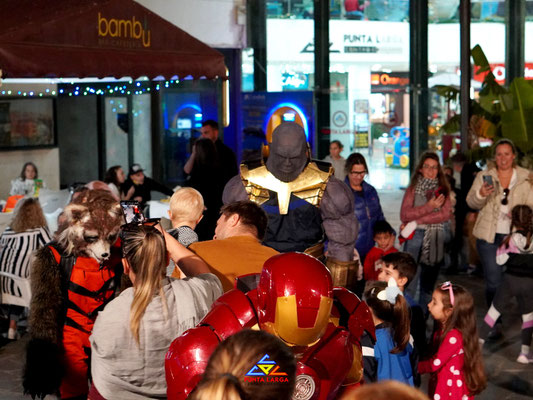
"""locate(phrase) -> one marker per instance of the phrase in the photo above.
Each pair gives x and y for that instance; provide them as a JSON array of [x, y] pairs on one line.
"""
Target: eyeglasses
[[505, 201], [434, 167], [448, 285], [358, 173]]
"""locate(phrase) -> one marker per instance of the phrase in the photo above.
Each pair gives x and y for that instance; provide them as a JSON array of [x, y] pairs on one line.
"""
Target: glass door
[[116, 131]]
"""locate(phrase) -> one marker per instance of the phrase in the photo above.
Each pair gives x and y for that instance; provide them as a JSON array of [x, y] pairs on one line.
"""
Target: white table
[[158, 209]]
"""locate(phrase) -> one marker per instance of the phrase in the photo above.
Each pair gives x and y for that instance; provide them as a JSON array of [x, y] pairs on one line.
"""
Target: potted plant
[[499, 112]]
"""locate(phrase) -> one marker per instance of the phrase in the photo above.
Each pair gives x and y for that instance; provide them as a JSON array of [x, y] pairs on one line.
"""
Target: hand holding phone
[[488, 186]]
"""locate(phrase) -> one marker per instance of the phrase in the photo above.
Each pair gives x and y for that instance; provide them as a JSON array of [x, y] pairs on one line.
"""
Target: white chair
[[5, 220], [52, 203], [51, 200], [22, 284]]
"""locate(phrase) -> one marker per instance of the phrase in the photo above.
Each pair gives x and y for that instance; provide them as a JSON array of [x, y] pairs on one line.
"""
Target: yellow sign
[[124, 29]]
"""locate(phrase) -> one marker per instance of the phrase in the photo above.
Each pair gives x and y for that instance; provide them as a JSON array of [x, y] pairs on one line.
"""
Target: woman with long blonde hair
[[133, 333]]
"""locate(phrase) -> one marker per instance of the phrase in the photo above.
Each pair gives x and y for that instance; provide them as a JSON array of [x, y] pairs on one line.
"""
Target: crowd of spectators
[[209, 245]]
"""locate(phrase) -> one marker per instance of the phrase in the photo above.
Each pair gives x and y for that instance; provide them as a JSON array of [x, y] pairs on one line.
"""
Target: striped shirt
[[15, 255], [186, 236]]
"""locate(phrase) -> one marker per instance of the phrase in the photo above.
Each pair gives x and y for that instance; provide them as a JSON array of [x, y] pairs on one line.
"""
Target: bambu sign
[[123, 29]]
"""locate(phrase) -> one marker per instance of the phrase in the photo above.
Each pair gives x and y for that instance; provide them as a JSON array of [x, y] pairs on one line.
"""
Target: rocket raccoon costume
[[303, 202], [72, 279]]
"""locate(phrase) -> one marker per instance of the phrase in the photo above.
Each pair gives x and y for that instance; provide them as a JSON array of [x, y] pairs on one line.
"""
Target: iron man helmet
[[295, 296]]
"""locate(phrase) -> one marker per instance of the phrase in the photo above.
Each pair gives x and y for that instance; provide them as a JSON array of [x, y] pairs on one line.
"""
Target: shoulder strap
[[66, 264]]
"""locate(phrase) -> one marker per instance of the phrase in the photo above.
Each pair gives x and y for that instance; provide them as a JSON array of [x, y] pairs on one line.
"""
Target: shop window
[[27, 123], [142, 131], [488, 30], [293, 9], [183, 110], [375, 10], [116, 131], [369, 70], [528, 42]]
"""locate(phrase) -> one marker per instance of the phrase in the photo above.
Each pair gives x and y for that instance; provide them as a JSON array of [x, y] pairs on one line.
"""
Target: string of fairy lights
[[87, 89]]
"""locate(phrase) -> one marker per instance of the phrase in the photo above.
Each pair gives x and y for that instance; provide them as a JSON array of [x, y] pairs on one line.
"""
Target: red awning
[[98, 38]]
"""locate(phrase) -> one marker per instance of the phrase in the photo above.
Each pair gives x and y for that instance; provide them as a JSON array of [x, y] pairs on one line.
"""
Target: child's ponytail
[[389, 305], [522, 221], [401, 324]]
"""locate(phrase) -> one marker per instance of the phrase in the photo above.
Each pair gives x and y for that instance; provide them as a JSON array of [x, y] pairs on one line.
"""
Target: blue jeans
[[492, 271], [423, 283], [413, 247]]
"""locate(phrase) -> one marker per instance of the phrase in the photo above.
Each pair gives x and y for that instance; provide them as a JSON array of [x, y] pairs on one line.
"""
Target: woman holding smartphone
[[427, 203], [132, 334], [495, 192]]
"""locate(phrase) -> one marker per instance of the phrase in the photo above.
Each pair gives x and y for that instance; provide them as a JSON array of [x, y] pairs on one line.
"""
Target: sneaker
[[525, 358], [12, 334]]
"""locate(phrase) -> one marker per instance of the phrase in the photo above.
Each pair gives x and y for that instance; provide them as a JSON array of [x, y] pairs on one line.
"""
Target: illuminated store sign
[[499, 72], [381, 82], [123, 29], [366, 41]]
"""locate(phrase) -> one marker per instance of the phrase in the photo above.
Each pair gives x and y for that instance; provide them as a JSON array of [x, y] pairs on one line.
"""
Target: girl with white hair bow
[[393, 356]]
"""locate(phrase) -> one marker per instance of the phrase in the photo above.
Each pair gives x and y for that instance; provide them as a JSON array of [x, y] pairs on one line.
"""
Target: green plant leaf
[[453, 124], [517, 122], [490, 102], [448, 92], [480, 59], [522, 91], [507, 101], [491, 97], [517, 125], [479, 153]]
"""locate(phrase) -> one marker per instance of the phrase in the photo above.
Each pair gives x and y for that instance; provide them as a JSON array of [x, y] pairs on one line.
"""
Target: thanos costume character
[[293, 298], [304, 202]]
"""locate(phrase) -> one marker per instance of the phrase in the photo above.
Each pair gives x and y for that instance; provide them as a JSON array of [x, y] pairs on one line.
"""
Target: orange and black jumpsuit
[[90, 287]]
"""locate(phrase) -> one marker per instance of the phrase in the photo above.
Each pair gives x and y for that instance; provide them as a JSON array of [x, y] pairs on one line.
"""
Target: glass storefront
[[528, 41], [116, 131], [142, 131], [369, 66], [184, 107]]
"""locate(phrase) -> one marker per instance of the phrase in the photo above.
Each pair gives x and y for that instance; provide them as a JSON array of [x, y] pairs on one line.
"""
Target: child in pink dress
[[456, 368]]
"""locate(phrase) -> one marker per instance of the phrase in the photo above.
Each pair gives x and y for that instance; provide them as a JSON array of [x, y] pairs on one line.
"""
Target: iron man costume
[[294, 300]]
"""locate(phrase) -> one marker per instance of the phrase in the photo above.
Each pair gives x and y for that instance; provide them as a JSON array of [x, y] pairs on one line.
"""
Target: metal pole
[[256, 31], [466, 70], [418, 78], [514, 39], [322, 83]]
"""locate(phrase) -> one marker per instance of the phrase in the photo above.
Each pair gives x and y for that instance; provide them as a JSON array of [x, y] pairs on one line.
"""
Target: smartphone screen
[[487, 179], [132, 212]]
